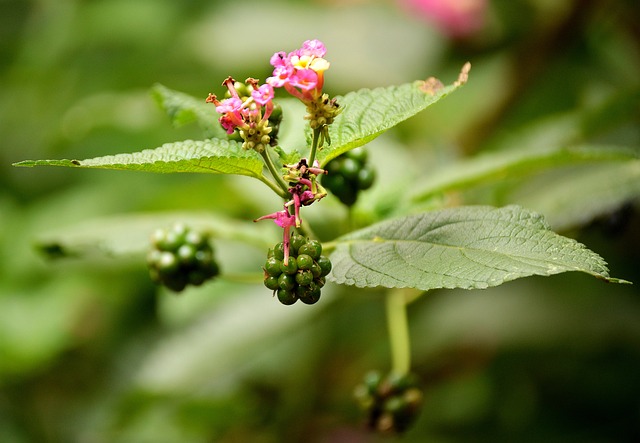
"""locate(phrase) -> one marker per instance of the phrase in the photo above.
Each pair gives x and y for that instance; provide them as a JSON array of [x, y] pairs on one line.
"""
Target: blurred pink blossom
[[456, 18]]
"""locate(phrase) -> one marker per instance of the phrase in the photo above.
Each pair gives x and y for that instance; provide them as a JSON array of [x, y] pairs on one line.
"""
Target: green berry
[[304, 261], [311, 295], [366, 177], [350, 169], [291, 267], [186, 253], [181, 257], [304, 278], [167, 262], [278, 251], [312, 248], [325, 265], [272, 282], [287, 297], [287, 282], [272, 266], [358, 154], [296, 242]]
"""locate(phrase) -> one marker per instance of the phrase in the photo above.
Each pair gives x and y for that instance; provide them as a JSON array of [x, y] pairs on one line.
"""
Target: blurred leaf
[[368, 113], [471, 247], [497, 166], [183, 109], [129, 234], [575, 196], [213, 156]]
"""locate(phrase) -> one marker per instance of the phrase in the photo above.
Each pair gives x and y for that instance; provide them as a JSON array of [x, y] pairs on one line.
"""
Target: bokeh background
[[91, 351]]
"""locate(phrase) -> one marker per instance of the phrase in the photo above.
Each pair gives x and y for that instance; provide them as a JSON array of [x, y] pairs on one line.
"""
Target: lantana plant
[[407, 251]]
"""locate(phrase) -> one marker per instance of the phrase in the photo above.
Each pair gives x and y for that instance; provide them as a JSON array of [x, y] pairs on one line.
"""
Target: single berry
[[278, 251], [272, 266], [290, 268], [272, 282], [304, 278], [287, 282], [311, 294], [325, 265], [304, 261], [287, 297]]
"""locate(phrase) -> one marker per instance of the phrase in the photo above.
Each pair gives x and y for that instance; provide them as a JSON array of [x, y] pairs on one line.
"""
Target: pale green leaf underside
[[472, 247], [124, 235], [495, 166], [368, 113], [213, 156], [183, 108]]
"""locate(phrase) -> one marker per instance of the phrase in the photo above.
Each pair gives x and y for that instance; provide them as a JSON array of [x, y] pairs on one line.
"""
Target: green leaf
[[368, 113], [127, 235], [213, 156], [472, 247], [496, 166], [574, 196], [183, 109]]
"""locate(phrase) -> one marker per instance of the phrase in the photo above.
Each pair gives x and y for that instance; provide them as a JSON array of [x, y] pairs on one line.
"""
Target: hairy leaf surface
[[368, 113], [472, 247], [213, 156]]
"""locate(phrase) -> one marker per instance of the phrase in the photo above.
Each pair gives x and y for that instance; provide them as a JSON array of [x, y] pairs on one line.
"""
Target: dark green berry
[[304, 261], [278, 251], [304, 278], [296, 242], [316, 270], [312, 248], [366, 177], [358, 154], [291, 267], [287, 297], [272, 282], [325, 265], [350, 169], [287, 282], [311, 294], [272, 266]]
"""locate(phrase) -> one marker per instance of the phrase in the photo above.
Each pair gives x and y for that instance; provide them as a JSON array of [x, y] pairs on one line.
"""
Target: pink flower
[[239, 114], [313, 48], [301, 72], [281, 218], [286, 221], [457, 18], [263, 95]]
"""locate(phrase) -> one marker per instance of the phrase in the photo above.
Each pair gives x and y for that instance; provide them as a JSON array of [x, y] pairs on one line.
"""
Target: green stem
[[274, 172], [314, 145], [277, 189], [398, 331]]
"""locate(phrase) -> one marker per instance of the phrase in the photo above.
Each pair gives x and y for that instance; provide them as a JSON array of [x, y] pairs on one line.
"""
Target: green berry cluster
[[392, 403], [180, 256], [303, 277], [348, 174]]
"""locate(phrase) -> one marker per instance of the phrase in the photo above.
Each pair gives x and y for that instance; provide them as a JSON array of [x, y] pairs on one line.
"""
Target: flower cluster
[[250, 115], [300, 72]]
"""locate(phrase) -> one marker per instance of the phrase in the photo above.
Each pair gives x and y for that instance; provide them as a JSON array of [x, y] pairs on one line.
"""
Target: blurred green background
[[91, 351]]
